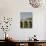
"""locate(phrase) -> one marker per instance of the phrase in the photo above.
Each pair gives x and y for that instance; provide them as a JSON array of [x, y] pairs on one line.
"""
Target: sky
[[24, 15]]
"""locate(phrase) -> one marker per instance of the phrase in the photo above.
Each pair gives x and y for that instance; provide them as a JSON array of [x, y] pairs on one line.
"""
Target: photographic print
[[26, 20]]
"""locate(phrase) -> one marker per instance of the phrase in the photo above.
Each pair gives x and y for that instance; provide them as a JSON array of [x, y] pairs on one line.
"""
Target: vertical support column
[[28, 23], [23, 24]]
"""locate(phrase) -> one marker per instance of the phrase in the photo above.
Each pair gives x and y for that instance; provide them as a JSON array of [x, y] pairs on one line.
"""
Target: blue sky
[[24, 15]]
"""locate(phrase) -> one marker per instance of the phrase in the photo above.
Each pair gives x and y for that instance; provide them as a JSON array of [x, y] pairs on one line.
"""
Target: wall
[[12, 8]]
